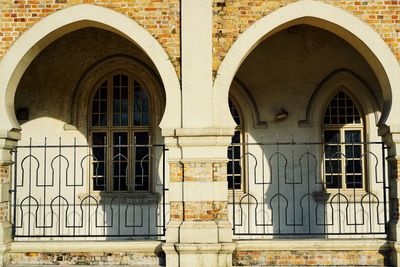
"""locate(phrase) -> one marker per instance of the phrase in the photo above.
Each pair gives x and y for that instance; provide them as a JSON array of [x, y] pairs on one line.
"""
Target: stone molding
[[313, 244], [360, 35]]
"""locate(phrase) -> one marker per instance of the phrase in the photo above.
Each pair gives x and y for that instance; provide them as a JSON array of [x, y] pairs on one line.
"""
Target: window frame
[[130, 129], [342, 128], [241, 129]]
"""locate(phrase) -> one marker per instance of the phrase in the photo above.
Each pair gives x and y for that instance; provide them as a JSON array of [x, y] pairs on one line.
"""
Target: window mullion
[[131, 168], [108, 135], [343, 158]]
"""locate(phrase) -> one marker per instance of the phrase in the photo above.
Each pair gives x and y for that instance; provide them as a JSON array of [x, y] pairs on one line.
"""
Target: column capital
[[8, 140], [198, 144]]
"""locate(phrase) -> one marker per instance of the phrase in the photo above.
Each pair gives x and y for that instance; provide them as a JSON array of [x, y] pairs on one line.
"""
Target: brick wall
[[232, 17], [4, 172], [198, 210], [88, 258], [159, 17], [311, 258], [4, 179]]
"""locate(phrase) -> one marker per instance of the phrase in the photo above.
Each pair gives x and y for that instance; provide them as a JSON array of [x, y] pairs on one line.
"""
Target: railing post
[[8, 141]]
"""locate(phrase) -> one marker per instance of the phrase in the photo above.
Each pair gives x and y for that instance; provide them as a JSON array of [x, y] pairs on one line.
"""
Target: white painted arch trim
[[350, 83], [360, 35], [34, 40]]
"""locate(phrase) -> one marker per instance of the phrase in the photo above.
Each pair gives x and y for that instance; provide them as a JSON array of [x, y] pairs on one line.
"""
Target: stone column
[[198, 233], [8, 140]]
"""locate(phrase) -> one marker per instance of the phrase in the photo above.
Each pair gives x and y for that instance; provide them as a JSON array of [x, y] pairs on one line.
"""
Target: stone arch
[[248, 106], [330, 86], [84, 89], [357, 33], [32, 42]]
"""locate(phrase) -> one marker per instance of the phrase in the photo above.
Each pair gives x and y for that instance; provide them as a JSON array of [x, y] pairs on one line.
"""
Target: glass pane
[[354, 181], [142, 167], [124, 92], [140, 106], [119, 184], [116, 106], [141, 183], [236, 150], [332, 166], [230, 167], [116, 93], [236, 137], [103, 106], [120, 166], [352, 136], [99, 138], [230, 148], [353, 151], [137, 119], [142, 138], [99, 167], [124, 107], [124, 119], [353, 166], [333, 181], [331, 136], [238, 182], [124, 80], [145, 119], [116, 120], [103, 120], [96, 107], [120, 160], [95, 120], [230, 182], [332, 152], [341, 110], [142, 161], [99, 183], [116, 80]]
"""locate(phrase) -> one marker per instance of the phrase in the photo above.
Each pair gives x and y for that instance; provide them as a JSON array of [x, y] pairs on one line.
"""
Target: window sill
[[334, 196], [131, 197]]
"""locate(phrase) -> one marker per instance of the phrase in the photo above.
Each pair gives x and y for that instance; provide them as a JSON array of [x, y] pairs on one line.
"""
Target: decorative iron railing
[[306, 188], [63, 191]]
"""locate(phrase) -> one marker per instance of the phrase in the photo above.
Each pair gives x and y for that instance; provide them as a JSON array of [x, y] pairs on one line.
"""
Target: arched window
[[234, 170], [120, 129], [343, 133]]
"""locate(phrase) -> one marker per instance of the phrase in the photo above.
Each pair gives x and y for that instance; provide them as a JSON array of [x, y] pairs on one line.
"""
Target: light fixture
[[282, 115]]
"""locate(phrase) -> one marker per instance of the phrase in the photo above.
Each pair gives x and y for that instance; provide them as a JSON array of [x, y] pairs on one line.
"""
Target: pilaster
[[391, 138], [8, 140], [199, 233]]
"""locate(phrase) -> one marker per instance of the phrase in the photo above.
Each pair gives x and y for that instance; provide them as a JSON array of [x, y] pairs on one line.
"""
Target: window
[[343, 133], [119, 128], [235, 151]]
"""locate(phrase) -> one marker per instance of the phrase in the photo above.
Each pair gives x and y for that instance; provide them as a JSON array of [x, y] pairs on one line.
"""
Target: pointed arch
[[360, 35], [353, 85], [247, 104], [32, 42]]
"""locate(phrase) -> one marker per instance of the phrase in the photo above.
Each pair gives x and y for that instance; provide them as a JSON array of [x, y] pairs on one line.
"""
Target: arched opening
[[32, 42], [356, 33], [77, 74], [291, 77]]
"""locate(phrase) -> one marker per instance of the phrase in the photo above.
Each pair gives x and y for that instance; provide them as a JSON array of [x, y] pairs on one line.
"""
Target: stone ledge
[[85, 246], [313, 244]]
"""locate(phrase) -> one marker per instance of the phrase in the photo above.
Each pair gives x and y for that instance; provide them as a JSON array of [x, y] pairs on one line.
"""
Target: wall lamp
[[282, 115]]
